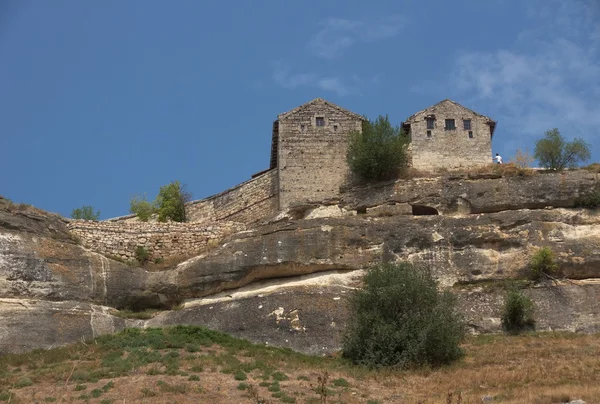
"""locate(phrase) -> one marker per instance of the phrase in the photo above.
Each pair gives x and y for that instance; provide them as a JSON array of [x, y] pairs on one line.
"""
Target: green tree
[[378, 152], [170, 202], [399, 318], [168, 205], [85, 213], [140, 207], [554, 153], [517, 314]]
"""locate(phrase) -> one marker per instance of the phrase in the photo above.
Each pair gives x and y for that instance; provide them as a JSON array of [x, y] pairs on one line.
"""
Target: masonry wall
[[312, 160], [449, 148], [248, 202], [161, 240]]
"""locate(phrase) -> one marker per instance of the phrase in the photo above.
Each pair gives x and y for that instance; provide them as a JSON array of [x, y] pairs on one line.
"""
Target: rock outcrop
[[286, 282]]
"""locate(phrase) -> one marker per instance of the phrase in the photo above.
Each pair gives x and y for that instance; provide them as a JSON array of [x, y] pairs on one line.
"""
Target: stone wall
[[449, 148], [161, 240], [312, 159], [248, 202]]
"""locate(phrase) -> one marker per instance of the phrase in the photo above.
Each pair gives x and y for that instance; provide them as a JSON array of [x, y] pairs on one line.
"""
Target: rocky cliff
[[285, 282]]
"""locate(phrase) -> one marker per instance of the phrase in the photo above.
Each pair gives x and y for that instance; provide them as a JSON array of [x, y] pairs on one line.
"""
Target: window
[[470, 134], [430, 122], [320, 121], [450, 124], [335, 128], [429, 134], [302, 127], [467, 124]]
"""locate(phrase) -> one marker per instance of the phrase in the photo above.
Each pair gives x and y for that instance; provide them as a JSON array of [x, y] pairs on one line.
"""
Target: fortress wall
[[161, 240], [248, 202]]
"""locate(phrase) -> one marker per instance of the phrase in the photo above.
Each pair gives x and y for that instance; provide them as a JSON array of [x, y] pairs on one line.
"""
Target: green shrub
[[141, 255], [542, 264], [400, 319], [170, 202], [140, 207], [589, 201], [168, 205], [378, 152], [85, 213], [23, 382], [517, 313], [555, 154]]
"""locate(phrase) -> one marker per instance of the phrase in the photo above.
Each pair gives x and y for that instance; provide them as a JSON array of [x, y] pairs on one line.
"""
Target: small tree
[[140, 207], [554, 153], [85, 213], [379, 151], [542, 264], [168, 205], [170, 202], [400, 319], [523, 159], [517, 314]]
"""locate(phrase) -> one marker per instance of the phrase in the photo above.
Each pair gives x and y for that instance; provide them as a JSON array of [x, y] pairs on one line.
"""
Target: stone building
[[448, 135], [308, 150]]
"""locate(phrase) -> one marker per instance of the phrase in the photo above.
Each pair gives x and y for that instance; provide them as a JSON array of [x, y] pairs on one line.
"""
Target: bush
[[141, 255], [169, 204], [140, 207], [542, 264], [590, 201], [85, 213], [517, 314], [400, 319], [379, 151], [554, 153]]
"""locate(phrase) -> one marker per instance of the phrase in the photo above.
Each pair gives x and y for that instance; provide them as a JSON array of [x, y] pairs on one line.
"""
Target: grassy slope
[[194, 365]]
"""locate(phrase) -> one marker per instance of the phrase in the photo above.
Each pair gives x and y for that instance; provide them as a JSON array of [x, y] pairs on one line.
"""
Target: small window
[[450, 124], [320, 121], [430, 122], [467, 124], [302, 127], [335, 128], [429, 134], [470, 134]]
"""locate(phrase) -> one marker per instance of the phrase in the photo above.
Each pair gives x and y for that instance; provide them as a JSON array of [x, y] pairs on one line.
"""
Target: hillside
[[284, 281], [195, 365]]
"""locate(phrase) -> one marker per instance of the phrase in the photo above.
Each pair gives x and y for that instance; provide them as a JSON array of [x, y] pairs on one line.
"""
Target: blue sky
[[100, 101]]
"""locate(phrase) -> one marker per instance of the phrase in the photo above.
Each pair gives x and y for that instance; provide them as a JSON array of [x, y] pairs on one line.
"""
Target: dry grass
[[537, 368]]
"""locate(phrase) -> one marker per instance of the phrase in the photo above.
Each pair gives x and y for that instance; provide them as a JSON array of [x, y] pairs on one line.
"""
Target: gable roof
[[319, 101], [491, 122]]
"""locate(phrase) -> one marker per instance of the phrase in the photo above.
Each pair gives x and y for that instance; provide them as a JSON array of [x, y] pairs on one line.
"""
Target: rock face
[[286, 282]]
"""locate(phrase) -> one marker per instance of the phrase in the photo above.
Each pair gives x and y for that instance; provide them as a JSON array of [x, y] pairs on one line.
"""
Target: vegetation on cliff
[[379, 151], [400, 319], [554, 153], [168, 205], [85, 213]]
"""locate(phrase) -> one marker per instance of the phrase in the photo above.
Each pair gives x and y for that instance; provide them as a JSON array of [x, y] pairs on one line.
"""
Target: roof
[[321, 101], [491, 122]]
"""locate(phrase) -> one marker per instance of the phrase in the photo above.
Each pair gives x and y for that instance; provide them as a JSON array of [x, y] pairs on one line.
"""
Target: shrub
[[589, 201], [170, 202], [542, 264], [85, 213], [554, 153], [517, 313], [140, 207], [141, 255], [400, 319], [378, 152], [523, 159]]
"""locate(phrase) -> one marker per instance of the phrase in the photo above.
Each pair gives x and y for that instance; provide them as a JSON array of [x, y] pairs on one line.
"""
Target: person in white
[[498, 159]]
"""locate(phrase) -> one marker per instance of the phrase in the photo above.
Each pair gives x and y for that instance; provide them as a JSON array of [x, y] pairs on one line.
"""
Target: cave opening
[[423, 210]]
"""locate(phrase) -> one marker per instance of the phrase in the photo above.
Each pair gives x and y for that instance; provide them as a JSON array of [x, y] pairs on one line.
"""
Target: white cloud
[[335, 84], [337, 34], [550, 78]]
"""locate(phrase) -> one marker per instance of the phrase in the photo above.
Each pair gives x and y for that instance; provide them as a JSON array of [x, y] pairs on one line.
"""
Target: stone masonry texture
[[161, 240], [449, 148], [313, 140]]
